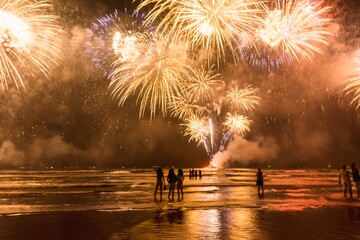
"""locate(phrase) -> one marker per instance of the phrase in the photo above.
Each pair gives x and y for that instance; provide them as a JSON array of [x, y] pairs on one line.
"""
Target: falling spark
[[30, 40], [352, 86]]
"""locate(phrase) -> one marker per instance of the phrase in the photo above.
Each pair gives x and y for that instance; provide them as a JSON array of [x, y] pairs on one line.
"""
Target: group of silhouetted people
[[174, 180], [193, 173], [345, 181]]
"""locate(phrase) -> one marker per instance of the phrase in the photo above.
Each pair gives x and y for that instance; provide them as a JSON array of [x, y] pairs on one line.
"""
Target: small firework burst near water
[[30, 40], [244, 99], [114, 37], [238, 124], [196, 128], [215, 26]]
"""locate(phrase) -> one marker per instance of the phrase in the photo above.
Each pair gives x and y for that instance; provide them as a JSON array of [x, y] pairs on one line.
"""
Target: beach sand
[[98, 204]]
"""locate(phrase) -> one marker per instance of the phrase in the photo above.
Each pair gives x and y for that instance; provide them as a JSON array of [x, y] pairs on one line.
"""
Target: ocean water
[[119, 204]]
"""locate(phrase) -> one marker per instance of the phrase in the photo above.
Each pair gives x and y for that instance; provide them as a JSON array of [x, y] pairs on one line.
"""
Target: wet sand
[[181, 223]]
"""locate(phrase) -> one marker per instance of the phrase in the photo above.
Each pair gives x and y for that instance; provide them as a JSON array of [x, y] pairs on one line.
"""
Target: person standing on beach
[[344, 180], [356, 178], [180, 180], [171, 178], [260, 182], [160, 180]]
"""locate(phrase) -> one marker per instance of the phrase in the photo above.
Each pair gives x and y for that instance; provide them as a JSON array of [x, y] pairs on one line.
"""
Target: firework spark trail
[[265, 57], [297, 28], [157, 76], [114, 37], [352, 86], [213, 25], [211, 127], [29, 40], [225, 139]]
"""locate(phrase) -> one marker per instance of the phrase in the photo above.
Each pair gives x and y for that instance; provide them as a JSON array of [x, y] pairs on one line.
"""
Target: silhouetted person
[[195, 174], [344, 180], [356, 178], [180, 180], [190, 173], [200, 174], [171, 178], [159, 181], [260, 182]]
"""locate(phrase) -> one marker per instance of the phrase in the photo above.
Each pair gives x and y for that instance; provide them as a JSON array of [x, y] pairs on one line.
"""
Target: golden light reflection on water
[[243, 224], [204, 224]]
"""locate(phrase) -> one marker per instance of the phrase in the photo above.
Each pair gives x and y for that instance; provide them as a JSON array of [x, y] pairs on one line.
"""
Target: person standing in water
[[344, 180], [260, 182], [356, 178], [160, 181], [180, 179], [171, 178]]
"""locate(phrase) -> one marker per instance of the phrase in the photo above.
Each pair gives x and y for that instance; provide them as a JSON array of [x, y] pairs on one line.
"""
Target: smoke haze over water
[[71, 120]]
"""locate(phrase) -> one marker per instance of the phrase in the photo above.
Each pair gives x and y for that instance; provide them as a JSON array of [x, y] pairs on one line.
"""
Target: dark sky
[[70, 119]]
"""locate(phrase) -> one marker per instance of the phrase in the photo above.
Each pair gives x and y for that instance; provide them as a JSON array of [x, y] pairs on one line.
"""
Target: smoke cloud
[[241, 152]]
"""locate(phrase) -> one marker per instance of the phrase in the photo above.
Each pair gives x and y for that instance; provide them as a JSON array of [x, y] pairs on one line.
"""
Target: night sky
[[70, 119]]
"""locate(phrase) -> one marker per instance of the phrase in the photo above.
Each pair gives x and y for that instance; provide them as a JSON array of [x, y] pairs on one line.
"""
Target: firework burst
[[196, 128], [245, 99], [213, 25], [296, 28], [157, 76], [29, 40], [201, 84], [115, 37], [183, 108], [238, 124]]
